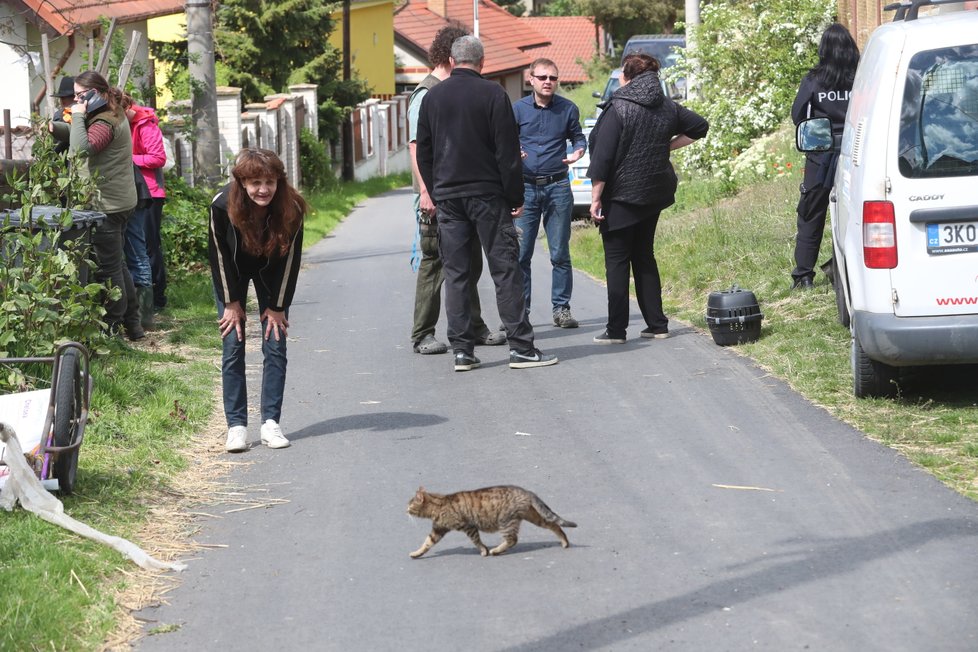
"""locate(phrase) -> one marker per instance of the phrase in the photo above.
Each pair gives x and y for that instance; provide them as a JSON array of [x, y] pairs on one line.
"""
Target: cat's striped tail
[[549, 515]]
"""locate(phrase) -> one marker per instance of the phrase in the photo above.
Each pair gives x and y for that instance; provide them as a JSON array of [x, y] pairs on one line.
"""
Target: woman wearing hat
[[65, 93]]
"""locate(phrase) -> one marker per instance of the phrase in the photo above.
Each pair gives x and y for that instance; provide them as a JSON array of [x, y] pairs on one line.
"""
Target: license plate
[[952, 238]]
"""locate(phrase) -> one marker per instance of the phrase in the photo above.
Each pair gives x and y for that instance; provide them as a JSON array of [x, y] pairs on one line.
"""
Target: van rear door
[[932, 165]]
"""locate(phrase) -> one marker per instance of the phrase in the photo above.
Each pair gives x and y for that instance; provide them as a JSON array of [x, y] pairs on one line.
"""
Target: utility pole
[[203, 86], [692, 23], [348, 122]]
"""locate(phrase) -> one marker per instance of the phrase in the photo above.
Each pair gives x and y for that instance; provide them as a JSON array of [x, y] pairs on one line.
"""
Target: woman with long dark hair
[[632, 181], [824, 93], [100, 129], [255, 237]]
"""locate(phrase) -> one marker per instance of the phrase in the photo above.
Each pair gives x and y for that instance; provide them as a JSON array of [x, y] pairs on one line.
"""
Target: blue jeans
[[553, 204], [233, 371], [137, 260]]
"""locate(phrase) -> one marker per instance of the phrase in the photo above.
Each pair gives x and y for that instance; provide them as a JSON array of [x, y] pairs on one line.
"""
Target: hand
[[574, 156], [516, 212], [80, 107], [426, 206], [231, 319], [596, 213], [275, 322]]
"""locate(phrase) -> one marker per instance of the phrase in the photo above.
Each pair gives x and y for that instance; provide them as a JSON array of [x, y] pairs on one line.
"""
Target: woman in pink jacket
[[144, 253]]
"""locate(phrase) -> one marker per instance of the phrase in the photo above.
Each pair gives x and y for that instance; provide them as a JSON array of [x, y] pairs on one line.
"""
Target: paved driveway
[[717, 509]]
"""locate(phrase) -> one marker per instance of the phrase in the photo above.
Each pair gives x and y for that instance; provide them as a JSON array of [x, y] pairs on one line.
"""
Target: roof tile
[[572, 40], [65, 16]]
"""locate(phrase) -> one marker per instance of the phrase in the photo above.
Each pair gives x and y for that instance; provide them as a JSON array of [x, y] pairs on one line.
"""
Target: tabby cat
[[492, 509]]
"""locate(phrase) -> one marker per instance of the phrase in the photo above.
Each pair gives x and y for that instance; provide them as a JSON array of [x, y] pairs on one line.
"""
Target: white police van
[[904, 209]]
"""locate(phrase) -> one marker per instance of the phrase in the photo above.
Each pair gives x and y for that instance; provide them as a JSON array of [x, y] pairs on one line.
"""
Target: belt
[[544, 181]]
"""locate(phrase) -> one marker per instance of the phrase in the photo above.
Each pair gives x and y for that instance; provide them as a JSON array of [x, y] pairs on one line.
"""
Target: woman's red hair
[[271, 235]]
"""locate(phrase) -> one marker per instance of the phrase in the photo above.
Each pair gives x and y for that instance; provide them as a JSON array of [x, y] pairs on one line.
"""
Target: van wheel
[[840, 297], [869, 377]]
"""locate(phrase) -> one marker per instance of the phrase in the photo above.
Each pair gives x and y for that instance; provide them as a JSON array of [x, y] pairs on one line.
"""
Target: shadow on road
[[518, 550], [376, 422], [834, 557]]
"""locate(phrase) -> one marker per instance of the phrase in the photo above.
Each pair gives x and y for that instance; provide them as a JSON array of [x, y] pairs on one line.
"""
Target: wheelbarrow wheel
[[67, 415]]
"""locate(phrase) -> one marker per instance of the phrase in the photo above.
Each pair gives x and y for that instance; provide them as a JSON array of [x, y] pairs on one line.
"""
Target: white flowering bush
[[747, 63]]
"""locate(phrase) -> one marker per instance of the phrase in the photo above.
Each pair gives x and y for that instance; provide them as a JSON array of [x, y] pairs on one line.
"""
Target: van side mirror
[[596, 94], [814, 135]]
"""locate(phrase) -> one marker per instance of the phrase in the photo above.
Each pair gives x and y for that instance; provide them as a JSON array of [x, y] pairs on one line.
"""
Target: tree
[[561, 8], [266, 45], [624, 18], [748, 60], [515, 7]]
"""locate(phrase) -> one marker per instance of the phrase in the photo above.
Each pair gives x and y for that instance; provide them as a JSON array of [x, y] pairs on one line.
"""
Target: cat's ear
[[421, 493]]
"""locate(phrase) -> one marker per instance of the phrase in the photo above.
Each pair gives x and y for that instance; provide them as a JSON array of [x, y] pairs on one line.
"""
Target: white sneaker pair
[[271, 436]]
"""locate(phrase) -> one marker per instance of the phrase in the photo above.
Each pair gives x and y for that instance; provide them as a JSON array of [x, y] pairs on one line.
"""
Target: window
[[939, 121]]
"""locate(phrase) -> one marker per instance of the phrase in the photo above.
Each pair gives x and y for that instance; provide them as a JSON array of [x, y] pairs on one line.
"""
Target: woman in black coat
[[632, 181]]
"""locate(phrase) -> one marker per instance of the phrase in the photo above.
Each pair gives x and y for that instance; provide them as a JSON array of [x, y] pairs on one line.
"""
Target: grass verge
[[144, 454]]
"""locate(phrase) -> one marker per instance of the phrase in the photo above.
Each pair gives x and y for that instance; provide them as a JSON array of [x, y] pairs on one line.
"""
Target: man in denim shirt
[[547, 121]]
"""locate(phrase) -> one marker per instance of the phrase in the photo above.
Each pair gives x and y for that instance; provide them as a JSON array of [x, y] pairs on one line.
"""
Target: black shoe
[[803, 283], [466, 361], [529, 359], [649, 334], [606, 338]]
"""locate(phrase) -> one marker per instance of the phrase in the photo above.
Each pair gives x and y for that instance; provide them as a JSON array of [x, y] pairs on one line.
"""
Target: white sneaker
[[271, 435], [237, 439]]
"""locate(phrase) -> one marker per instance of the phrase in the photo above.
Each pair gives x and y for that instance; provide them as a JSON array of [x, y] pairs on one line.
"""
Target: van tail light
[[879, 235]]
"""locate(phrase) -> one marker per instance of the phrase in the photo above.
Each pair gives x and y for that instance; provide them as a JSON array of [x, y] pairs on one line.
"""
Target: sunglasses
[[552, 78]]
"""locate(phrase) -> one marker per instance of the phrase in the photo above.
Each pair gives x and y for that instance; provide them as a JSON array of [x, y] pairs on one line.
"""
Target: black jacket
[[816, 101], [630, 143], [468, 143], [231, 266]]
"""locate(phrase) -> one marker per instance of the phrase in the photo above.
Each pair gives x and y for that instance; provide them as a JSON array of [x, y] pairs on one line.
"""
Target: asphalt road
[[717, 509]]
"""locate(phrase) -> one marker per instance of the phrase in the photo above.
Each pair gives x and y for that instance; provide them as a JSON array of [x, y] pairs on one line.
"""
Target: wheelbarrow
[[52, 450]]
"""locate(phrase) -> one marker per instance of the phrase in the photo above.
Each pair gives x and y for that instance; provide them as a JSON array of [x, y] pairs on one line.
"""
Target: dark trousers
[[427, 291], [488, 219], [154, 248], [812, 205], [108, 242], [629, 250]]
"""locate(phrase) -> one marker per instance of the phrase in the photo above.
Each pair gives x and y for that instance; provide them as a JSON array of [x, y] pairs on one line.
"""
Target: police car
[[579, 181]]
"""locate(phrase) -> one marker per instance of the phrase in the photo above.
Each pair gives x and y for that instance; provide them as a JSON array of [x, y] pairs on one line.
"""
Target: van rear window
[[939, 120]]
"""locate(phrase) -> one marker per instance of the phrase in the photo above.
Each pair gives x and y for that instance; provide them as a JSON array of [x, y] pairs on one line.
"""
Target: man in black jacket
[[468, 154]]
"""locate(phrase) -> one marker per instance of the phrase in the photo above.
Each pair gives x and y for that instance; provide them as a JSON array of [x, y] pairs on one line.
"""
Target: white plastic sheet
[[23, 486]]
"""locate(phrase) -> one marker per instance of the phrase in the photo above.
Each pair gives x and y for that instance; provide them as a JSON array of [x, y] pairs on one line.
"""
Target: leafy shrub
[[42, 298], [748, 61], [315, 162], [184, 230]]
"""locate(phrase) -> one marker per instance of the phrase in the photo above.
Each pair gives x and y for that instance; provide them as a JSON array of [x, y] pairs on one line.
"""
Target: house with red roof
[[511, 43], [70, 25]]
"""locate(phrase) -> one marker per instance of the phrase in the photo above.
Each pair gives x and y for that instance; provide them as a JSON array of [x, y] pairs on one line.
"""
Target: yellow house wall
[[371, 43], [165, 28]]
